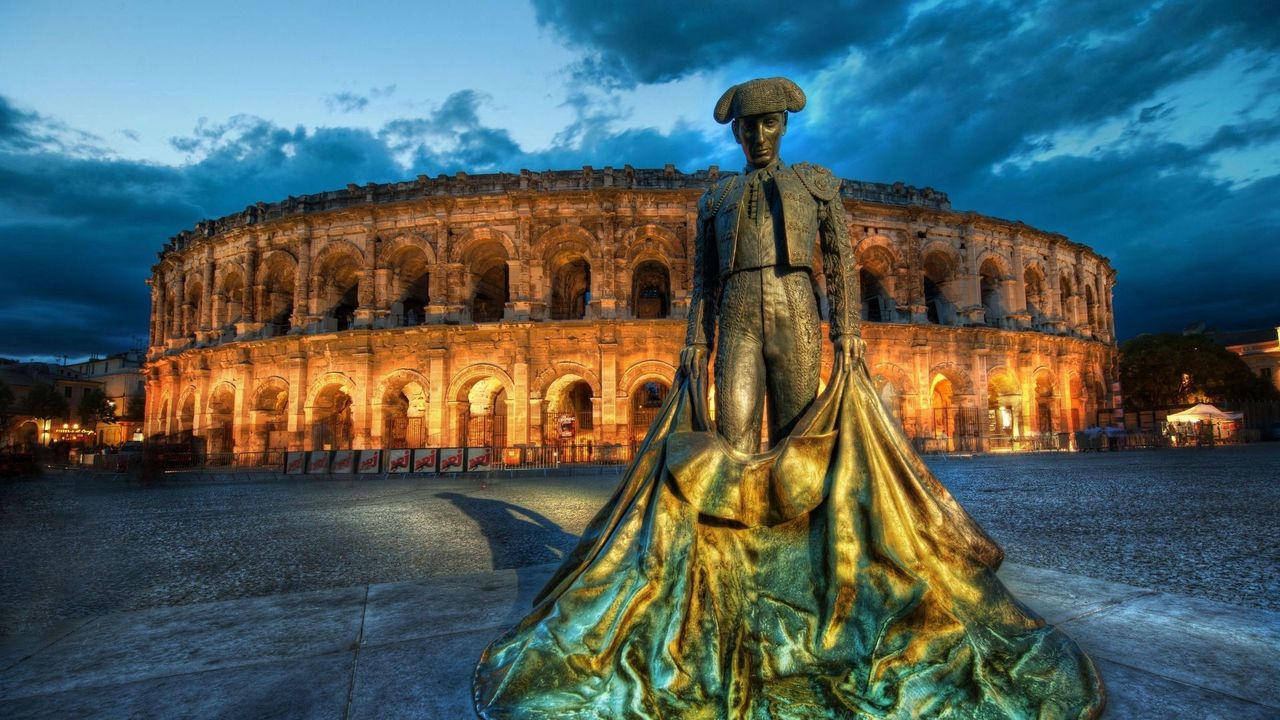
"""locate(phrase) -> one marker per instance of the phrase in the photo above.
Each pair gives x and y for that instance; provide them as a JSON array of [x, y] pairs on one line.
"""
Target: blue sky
[[1150, 132]]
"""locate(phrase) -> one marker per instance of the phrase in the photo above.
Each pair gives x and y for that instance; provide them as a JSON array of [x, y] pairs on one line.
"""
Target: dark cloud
[[660, 40]]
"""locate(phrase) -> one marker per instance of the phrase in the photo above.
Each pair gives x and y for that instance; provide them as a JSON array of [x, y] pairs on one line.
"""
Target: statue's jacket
[[811, 212]]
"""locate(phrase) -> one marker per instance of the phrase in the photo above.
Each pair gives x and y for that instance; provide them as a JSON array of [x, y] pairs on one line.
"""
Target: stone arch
[[645, 370], [570, 394], [876, 264], [220, 424], [649, 240], [1035, 289], [277, 277], [231, 292], [1044, 394], [939, 267], [270, 415], [164, 411], [956, 374], [870, 243], [565, 237], [192, 306], [338, 271], [401, 401], [650, 288], [478, 397], [1066, 297], [396, 245], [330, 412], [645, 396], [409, 283], [486, 256], [993, 269], [478, 237], [185, 412], [1005, 416], [549, 375]]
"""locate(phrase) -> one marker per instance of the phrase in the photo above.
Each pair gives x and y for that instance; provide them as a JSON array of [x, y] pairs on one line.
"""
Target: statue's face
[[760, 136]]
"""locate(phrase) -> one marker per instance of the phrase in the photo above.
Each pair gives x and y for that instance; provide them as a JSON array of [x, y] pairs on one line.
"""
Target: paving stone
[[1211, 645], [404, 611], [421, 678], [1134, 694], [126, 647], [295, 689], [1058, 597]]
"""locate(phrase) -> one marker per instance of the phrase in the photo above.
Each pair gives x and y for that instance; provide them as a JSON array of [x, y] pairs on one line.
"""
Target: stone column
[[518, 407], [302, 285], [436, 399], [206, 298]]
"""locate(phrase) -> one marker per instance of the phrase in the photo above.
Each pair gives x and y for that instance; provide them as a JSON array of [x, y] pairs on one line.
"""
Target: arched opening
[[1033, 284], [410, 286], [331, 421], [571, 290], [938, 272], [404, 415], [650, 290], [567, 417], [163, 428], [1075, 402], [232, 299], [989, 278], [1044, 403], [490, 280], [1004, 406], [945, 414], [276, 311], [192, 308], [339, 290], [1091, 307], [646, 401], [482, 414], [187, 416], [271, 405], [27, 435], [222, 408], [1066, 292], [877, 300]]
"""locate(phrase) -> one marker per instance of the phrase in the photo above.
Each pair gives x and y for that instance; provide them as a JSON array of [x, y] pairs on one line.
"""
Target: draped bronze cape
[[830, 577]]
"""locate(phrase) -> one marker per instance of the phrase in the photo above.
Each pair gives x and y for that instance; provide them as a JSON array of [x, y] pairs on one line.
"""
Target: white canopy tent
[[1204, 411]]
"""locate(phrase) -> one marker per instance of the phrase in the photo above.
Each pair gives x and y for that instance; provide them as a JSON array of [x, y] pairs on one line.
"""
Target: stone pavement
[[407, 649]]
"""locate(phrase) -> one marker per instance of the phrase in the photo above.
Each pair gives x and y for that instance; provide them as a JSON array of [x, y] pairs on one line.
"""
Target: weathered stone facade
[[524, 309]]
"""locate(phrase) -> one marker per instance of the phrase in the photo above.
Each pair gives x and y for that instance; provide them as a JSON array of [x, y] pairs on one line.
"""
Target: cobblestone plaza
[[1197, 522]]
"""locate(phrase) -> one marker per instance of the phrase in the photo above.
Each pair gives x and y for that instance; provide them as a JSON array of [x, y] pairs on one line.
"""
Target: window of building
[[1266, 374], [66, 391]]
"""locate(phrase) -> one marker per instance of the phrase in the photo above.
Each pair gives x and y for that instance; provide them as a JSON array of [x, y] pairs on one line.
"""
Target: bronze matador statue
[[753, 272], [829, 576]]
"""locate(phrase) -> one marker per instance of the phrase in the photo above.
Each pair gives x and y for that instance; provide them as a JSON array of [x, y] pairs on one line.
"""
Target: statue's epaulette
[[820, 181], [711, 200]]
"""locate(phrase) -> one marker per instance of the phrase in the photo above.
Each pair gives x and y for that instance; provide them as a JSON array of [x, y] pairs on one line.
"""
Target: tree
[[1163, 370], [45, 402], [137, 405], [95, 408]]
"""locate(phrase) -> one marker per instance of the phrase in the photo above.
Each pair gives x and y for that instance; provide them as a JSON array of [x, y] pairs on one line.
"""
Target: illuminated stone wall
[[492, 309]]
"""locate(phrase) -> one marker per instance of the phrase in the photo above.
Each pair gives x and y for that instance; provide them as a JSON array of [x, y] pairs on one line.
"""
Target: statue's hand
[[693, 360], [851, 349]]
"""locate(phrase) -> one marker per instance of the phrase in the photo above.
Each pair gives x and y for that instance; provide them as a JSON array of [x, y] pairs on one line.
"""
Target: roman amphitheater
[[547, 310]]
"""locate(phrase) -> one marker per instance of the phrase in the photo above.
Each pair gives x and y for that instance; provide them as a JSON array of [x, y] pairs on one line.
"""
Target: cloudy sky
[[1149, 131]]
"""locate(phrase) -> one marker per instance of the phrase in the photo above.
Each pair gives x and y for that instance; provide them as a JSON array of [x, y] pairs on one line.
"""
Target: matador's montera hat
[[759, 96]]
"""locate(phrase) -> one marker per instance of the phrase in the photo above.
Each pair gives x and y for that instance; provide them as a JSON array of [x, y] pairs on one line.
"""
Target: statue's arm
[[837, 264], [706, 280]]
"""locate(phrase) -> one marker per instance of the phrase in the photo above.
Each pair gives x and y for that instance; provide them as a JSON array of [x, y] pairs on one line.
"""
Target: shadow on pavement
[[517, 536]]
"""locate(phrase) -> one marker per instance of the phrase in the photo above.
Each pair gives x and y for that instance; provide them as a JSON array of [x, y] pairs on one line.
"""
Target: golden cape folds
[[831, 577]]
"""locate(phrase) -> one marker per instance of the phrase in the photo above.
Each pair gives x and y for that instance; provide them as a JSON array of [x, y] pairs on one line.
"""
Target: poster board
[[318, 462], [424, 460], [344, 461], [479, 459], [295, 462], [398, 460], [451, 460], [370, 462]]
